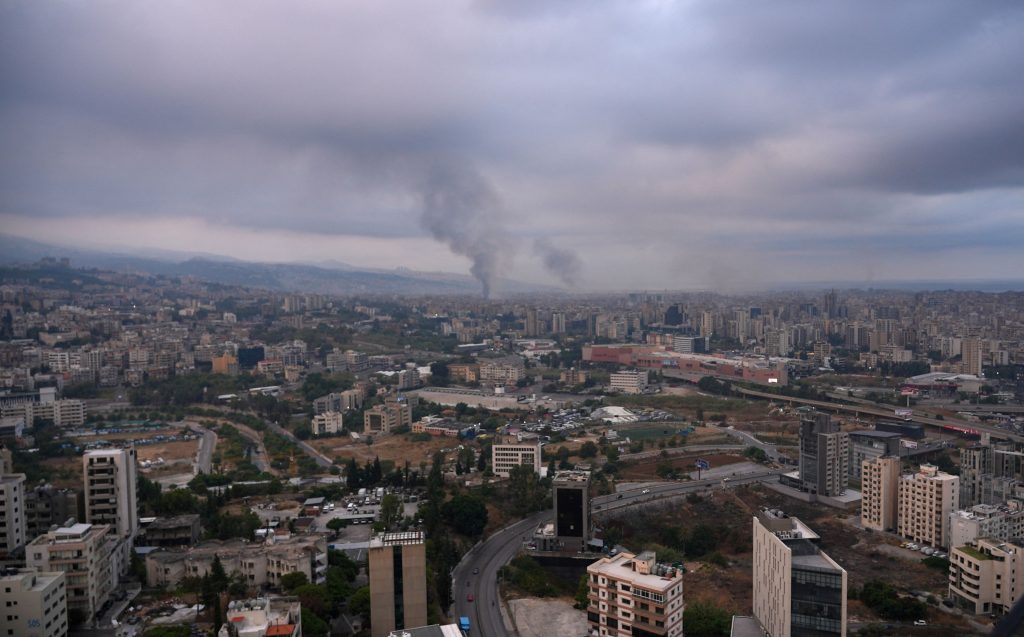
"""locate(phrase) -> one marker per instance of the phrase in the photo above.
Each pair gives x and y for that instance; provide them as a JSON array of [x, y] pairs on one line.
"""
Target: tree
[[582, 591], [291, 581], [312, 625], [390, 511], [466, 514], [314, 598], [525, 492], [588, 450], [704, 619], [337, 524], [359, 603], [218, 576]]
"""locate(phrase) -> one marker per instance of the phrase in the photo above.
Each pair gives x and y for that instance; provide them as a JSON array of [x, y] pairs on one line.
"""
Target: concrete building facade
[[634, 595], [505, 456], [83, 553], [33, 603], [111, 490], [879, 485], [571, 497], [987, 576], [824, 455], [798, 589], [926, 500], [12, 506], [398, 582]]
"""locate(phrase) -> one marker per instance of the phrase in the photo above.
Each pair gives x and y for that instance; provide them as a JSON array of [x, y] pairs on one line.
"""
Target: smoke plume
[[460, 210], [561, 262]]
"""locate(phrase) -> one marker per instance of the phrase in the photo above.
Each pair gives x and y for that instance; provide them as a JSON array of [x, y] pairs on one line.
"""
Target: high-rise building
[[879, 484], [558, 323], [46, 506], [12, 506], [798, 589], [871, 443], [927, 498], [34, 603], [971, 353], [824, 455], [506, 455], [531, 323], [111, 491], [988, 576], [83, 553], [571, 497], [635, 595], [629, 381], [398, 582]]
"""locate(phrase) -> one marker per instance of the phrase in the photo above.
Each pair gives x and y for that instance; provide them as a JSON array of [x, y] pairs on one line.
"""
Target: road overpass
[[869, 410]]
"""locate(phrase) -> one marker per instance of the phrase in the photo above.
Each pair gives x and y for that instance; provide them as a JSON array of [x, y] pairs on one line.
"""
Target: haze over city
[[588, 145]]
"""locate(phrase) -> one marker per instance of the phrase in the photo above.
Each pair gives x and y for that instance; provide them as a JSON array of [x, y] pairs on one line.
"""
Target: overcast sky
[[598, 144]]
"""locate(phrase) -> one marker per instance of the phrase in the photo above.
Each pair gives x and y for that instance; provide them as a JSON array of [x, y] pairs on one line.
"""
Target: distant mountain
[[331, 277]]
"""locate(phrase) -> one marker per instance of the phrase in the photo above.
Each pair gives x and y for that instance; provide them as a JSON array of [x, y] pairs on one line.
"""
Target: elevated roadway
[[882, 412]]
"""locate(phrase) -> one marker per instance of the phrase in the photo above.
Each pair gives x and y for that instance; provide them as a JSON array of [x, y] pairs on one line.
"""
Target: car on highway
[[469, 597], [645, 491], [476, 571]]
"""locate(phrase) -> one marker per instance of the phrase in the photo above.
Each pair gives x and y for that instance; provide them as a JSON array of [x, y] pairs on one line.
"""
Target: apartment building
[[1002, 522], [987, 576], [329, 422], [398, 581], [926, 500], [506, 455], [824, 455], [464, 372], [12, 506], [46, 506], [879, 485], [506, 370], [573, 377], [798, 589], [260, 564], [630, 381], [111, 491], [33, 603], [381, 419], [339, 401], [634, 595], [264, 617], [83, 552]]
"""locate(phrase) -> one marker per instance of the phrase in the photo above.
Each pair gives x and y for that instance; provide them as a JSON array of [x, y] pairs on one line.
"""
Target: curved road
[[487, 557]]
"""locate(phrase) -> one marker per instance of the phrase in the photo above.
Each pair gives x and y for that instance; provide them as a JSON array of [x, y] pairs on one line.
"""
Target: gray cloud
[[638, 129]]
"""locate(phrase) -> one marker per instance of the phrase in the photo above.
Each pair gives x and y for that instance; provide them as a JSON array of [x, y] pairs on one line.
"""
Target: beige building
[[34, 604], [926, 500], [505, 456], [83, 553], [879, 485], [381, 419], [988, 576], [634, 595], [972, 356], [398, 582], [507, 370], [259, 564], [329, 422], [798, 589], [12, 506], [631, 381]]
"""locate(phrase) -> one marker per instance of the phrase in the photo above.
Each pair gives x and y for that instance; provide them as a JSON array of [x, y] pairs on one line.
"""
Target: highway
[[883, 412], [658, 490], [306, 448], [487, 557], [207, 444]]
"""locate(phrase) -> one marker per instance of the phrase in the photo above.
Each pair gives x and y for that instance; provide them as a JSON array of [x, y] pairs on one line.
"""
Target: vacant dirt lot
[[547, 617], [397, 448], [169, 451]]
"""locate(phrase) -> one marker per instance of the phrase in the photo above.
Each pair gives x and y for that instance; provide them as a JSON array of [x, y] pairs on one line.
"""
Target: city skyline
[[592, 146]]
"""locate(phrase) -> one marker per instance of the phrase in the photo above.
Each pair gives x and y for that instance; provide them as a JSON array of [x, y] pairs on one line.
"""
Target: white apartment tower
[[34, 604], [111, 490]]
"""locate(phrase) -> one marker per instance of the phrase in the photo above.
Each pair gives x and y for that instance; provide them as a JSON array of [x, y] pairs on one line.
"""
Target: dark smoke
[[561, 262], [460, 210]]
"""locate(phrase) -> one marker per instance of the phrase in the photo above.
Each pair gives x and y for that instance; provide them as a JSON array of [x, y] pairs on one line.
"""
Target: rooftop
[[621, 567], [397, 539], [572, 476]]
